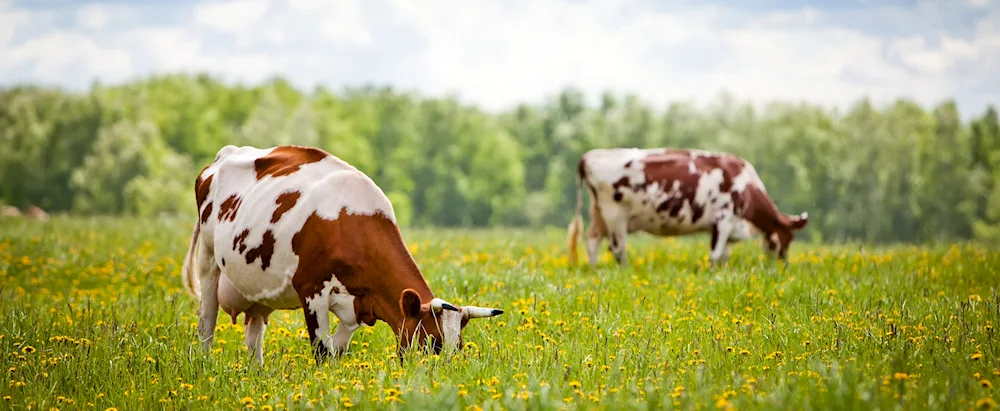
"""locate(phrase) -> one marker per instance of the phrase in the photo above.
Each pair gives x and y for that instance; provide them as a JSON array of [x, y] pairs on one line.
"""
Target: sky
[[497, 54]]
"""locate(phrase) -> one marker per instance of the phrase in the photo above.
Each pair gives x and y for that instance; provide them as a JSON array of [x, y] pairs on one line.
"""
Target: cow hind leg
[[594, 236], [253, 336], [595, 233], [208, 307], [616, 221]]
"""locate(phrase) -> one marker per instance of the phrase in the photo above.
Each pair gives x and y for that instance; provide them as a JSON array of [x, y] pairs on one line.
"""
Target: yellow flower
[[247, 400], [986, 403], [986, 384], [574, 384], [27, 349], [976, 356]]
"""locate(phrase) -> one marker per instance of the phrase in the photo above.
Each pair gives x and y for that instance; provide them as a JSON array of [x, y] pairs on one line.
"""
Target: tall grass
[[93, 316]]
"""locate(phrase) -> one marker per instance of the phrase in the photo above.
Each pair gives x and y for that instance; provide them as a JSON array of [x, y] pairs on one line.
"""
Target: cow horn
[[438, 304], [480, 312]]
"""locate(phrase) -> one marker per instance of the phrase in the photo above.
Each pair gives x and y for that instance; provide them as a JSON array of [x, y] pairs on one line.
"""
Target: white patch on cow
[[606, 166], [708, 186], [748, 176], [742, 230], [451, 326]]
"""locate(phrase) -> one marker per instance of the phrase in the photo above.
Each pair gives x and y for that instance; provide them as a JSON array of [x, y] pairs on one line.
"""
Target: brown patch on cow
[[628, 164], [622, 182], [618, 185], [227, 211], [240, 241], [202, 188], [285, 160], [206, 213], [675, 165], [264, 251], [336, 290], [696, 212], [285, 202], [360, 250]]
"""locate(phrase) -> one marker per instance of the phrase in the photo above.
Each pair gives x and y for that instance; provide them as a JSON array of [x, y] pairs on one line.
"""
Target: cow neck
[[388, 258]]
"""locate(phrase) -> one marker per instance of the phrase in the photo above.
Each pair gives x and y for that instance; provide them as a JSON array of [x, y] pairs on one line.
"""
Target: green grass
[[93, 316]]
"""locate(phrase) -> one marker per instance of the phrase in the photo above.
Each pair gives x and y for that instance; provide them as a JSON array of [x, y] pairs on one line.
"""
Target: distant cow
[[675, 192], [36, 212], [294, 227], [9, 211]]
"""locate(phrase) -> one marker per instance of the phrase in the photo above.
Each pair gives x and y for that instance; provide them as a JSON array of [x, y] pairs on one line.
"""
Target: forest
[[894, 173]]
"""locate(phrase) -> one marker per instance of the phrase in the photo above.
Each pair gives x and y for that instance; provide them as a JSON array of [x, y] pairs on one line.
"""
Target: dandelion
[[574, 384]]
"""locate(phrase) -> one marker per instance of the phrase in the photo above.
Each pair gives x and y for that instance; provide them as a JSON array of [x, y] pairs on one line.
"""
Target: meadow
[[93, 316]]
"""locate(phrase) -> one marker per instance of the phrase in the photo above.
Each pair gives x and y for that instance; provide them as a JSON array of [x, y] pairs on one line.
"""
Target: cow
[[9, 211], [294, 227], [36, 212], [676, 192]]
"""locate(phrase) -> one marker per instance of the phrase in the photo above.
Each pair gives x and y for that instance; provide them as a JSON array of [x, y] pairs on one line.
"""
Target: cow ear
[[409, 303]]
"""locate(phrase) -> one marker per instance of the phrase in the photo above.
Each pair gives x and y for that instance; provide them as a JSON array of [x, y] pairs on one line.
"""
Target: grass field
[[94, 317]]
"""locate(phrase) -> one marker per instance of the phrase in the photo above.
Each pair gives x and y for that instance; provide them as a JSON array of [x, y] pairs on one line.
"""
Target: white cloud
[[56, 54], [343, 23], [92, 16], [497, 53], [232, 16], [10, 20]]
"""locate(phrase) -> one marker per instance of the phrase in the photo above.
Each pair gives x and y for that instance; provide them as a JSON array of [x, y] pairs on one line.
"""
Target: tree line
[[876, 174]]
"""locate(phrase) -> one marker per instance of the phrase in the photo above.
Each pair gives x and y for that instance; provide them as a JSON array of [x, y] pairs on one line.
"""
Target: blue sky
[[499, 53]]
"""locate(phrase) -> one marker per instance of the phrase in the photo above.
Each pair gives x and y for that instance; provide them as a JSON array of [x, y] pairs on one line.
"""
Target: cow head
[[778, 241], [438, 319]]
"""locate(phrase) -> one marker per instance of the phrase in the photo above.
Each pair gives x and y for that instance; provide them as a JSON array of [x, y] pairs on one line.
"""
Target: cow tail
[[575, 226], [189, 271]]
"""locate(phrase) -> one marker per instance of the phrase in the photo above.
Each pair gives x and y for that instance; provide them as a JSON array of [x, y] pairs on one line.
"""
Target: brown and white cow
[[294, 227], [36, 212], [675, 192], [9, 211]]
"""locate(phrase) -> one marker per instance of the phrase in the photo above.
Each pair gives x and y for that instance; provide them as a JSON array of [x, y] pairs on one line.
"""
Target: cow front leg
[[253, 336], [208, 306], [316, 307], [342, 338], [720, 240]]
